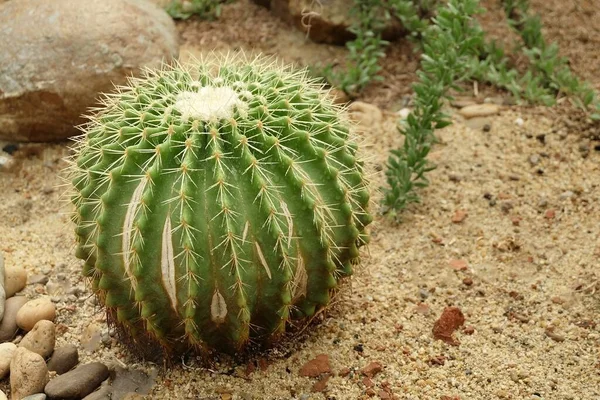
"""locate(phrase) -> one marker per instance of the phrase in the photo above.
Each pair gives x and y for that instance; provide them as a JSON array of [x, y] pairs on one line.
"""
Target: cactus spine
[[217, 200]]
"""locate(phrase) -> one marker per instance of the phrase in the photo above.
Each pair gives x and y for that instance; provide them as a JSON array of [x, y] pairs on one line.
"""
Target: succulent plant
[[216, 201]]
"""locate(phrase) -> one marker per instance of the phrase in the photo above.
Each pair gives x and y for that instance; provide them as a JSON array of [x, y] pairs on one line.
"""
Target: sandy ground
[[530, 242]]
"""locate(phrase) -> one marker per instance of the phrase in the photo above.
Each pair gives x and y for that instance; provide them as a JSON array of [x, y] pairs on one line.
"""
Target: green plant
[[365, 50], [448, 46], [548, 70], [217, 201], [184, 9]]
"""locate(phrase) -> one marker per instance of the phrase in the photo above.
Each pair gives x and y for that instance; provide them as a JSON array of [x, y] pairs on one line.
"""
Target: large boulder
[[57, 56], [325, 21]]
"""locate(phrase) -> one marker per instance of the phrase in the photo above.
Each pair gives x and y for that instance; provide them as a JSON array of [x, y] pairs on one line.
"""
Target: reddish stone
[[367, 382], [438, 360], [516, 221], [317, 366], [550, 214], [344, 372], [372, 369], [321, 385], [459, 265], [450, 320], [459, 216], [469, 330], [422, 308], [468, 281]]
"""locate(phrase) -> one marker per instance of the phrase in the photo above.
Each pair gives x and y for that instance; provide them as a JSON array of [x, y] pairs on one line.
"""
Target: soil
[[508, 232]]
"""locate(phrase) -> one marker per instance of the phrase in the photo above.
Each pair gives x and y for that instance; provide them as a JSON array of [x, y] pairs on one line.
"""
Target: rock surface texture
[[324, 21], [58, 56]]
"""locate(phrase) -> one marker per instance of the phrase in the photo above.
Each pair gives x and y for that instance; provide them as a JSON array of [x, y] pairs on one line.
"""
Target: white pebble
[[519, 121]]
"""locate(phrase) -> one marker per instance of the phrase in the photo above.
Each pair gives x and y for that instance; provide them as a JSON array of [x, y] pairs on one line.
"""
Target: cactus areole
[[216, 201]]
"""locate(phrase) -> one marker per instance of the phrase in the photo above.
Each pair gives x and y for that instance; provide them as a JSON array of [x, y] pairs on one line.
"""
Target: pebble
[[519, 121], [15, 280], [41, 339], [8, 327], [3, 395], [34, 311], [315, 367], [39, 396], [534, 160], [28, 374], [450, 320], [404, 113], [78, 383], [2, 291], [37, 278], [91, 338], [63, 359], [479, 110], [372, 369], [7, 351]]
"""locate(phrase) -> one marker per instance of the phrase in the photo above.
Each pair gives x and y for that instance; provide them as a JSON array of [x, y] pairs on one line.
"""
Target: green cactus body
[[216, 201]]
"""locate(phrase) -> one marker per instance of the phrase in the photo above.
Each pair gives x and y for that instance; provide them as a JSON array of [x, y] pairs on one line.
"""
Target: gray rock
[[2, 291], [8, 327], [41, 339], [39, 396], [324, 21], [78, 383], [57, 58], [63, 359], [28, 374], [125, 383], [38, 278]]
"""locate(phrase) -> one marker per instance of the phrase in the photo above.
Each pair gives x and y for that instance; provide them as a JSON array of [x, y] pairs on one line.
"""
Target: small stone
[[320, 385], [566, 195], [422, 308], [8, 327], [372, 369], [15, 280], [7, 351], [3, 395], [459, 216], [39, 396], [450, 320], [37, 279], [63, 359], [467, 281], [28, 374], [519, 121], [91, 338], [459, 265], [506, 206], [34, 311], [315, 367], [77, 383], [403, 113], [469, 330], [553, 335], [41, 339], [550, 214], [534, 160], [479, 110], [2, 291]]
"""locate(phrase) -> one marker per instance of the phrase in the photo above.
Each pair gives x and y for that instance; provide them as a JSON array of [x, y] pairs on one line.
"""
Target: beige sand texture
[[526, 192]]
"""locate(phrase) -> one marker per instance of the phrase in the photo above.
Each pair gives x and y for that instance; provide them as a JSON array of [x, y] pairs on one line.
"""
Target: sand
[[528, 191]]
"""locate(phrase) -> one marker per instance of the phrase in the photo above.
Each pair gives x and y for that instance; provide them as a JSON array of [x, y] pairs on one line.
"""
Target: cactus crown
[[217, 200]]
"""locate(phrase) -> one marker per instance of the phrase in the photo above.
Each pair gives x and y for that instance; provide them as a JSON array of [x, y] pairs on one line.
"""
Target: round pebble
[[39, 396], [78, 383], [8, 327], [34, 311], [28, 373], [63, 359], [15, 280], [2, 291], [7, 351], [41, 339]]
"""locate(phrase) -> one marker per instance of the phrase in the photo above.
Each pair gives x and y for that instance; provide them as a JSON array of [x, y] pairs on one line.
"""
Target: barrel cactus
[[217, 200]]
